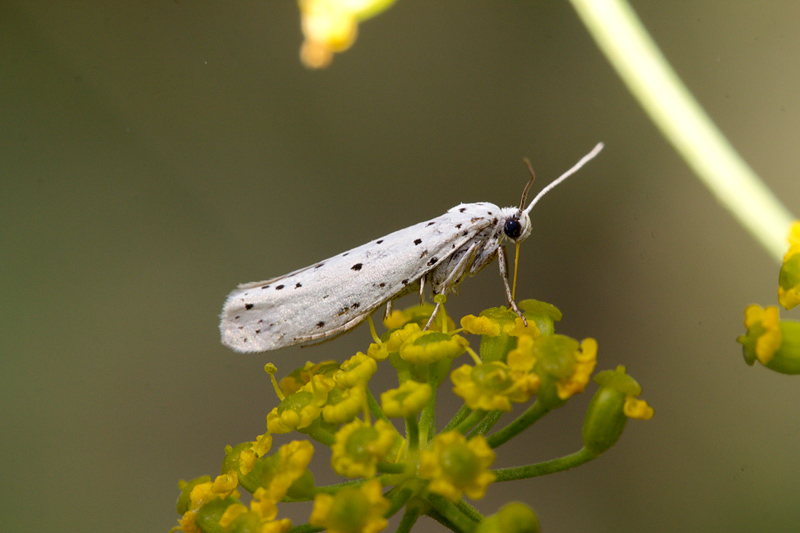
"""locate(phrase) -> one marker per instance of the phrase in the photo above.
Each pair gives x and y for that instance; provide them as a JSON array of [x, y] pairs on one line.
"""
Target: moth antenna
[[585, 159], [528, 186]]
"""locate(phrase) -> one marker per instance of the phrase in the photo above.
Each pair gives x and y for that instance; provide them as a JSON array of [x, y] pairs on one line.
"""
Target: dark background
[[155, 154]]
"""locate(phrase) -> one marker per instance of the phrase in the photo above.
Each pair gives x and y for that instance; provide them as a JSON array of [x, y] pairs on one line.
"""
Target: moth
[[335, 295]]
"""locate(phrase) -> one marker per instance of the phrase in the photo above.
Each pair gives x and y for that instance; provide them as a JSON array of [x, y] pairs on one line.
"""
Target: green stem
[[412, 433], [520, 424], [451, 513], [427, 420], [468, 423], [318, 434], [306, 528], [487, 423], [408, 520], [374, 408], [547, 467], [470, 511], [459, 417], [625, 42], [398, 500]]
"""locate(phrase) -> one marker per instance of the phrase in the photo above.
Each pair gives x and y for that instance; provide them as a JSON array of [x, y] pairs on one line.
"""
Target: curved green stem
[[638, 61], [547, 467], [520, 424]]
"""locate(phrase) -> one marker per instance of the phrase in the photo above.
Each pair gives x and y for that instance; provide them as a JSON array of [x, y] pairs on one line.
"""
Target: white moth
[[337, 294]]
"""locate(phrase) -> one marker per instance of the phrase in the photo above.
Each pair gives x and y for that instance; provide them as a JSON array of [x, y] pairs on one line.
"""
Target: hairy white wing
[[337, 294]]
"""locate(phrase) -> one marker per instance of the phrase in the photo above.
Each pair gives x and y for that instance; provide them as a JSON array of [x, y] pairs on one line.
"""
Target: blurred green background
[[155, 154]]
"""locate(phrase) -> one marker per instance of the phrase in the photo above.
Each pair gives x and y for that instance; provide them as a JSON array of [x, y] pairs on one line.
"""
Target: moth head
[[517, 227]]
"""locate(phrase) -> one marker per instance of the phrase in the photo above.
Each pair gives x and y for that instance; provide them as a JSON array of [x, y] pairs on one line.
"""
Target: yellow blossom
[[351, 402], [425, 347], [414, 314], [301, 376], [636, 408], [407, 400], [359, 447], [585, 361], [260, 517], [493, 386], [203, 492], [351, 509], [519, 328], [355, 371], [300, 409], [293, 458], [481, 325], [458, 466]]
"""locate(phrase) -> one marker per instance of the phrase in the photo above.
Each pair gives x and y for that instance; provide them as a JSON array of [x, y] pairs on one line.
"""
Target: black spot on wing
[[462, 209], [458, 226], [404, 282], [431, 223], [382, 285], [298, 285], [432, 261], [279, 287], [356, 305], [423, 254], [378, 242], [319, 265], [265, 286], [417, 242], [320, 324], [357, 267], [248, 306]]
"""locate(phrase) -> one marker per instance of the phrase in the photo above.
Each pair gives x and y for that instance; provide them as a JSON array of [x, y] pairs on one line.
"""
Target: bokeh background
[[155, 154]]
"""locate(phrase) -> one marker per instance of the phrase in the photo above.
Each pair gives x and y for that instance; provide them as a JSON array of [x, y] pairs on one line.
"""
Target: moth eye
[[512, 228]]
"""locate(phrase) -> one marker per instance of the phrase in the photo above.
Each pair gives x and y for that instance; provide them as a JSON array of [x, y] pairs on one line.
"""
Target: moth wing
[[335, 295]]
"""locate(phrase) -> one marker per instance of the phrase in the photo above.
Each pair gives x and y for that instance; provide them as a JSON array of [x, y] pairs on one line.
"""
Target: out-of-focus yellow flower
[[458, 466], [407, 400], [775, 343], [789, 279], [351, 509]]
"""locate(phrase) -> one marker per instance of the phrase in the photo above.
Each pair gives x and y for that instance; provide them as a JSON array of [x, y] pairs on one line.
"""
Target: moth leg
[[388, 309], [501, 260], [422, 290], [433, 316]]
